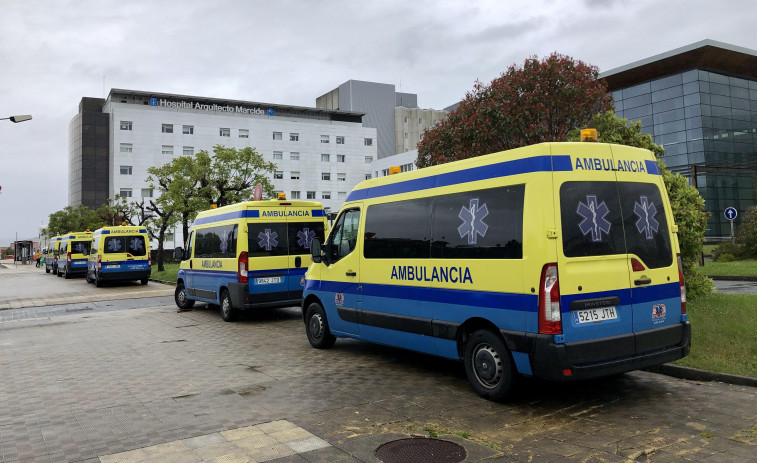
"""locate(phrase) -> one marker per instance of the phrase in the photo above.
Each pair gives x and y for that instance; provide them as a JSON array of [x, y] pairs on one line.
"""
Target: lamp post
[[17, 119]]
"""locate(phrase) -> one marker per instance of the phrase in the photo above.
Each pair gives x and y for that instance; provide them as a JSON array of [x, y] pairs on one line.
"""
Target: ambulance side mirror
[[315, 250], [178, 254]]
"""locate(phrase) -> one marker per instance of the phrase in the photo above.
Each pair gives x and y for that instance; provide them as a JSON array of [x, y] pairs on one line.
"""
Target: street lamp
[[17, 119]]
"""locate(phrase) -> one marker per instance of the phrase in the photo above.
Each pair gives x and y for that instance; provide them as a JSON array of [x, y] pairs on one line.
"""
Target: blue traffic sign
[[730, 213]]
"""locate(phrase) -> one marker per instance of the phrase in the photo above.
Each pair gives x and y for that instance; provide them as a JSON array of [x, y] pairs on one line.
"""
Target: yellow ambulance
[[119, 253], [73, 251], [557, 260], [249, 255], [51, 263]]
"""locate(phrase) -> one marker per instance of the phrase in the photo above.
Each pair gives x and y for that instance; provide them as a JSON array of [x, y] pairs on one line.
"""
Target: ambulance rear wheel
[[180, 296], [488, 365], [317, 327], [143, 281], [228, 312], [47, 270], [98, 281], [66, 275]]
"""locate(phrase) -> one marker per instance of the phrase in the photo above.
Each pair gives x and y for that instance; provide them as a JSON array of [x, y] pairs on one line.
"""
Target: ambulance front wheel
[[180, 296], [317, 327], [488, 365], [228, 312]]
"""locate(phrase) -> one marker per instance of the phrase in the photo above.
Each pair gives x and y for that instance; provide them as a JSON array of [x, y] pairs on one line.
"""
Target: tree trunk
[[161, 237]]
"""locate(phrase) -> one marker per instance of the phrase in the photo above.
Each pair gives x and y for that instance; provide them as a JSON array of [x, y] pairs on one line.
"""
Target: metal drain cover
[[420, 450]]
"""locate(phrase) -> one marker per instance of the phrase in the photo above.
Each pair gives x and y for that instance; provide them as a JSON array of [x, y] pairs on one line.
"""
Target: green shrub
[[725, 250], [746, 235]]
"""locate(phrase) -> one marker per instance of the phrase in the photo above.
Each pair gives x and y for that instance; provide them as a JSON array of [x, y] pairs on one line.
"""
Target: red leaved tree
[[538, 102]]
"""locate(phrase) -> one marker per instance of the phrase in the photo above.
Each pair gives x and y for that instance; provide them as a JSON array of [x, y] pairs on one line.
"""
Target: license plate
[[268, 280], [595, 315], [113, 266]]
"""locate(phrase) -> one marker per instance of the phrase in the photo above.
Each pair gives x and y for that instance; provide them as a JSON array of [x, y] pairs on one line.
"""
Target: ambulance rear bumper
[[606, 356]]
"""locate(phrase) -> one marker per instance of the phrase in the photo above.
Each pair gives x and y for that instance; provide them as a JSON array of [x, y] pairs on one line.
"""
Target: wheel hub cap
[[315, 326], [487, 366]]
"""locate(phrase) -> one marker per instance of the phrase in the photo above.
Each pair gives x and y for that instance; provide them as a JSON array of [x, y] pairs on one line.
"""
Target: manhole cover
[[420, 450]]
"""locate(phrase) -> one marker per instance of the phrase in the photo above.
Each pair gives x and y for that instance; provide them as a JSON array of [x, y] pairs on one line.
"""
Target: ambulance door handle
[[642, 281], [351, 274]]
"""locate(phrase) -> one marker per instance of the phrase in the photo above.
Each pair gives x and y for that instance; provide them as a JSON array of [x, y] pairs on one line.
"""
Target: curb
[[695, 374], [732, 278], [163, 282]]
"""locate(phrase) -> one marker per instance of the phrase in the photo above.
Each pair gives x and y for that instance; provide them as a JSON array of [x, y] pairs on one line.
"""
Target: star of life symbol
[[594, 221], [646, 224], [268, 239], [473, 221], [225, 241], [114, 245], [80, 248], [135, 244], [305, 237]]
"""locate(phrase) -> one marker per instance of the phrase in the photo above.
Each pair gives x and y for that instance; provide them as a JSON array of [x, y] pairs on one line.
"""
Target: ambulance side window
[[190, 242], [344, 237]]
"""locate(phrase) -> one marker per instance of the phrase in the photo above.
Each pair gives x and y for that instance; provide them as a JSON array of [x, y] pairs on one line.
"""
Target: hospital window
[[244, 133], [224, 132], [341, 177], [367, 176], [126, 147], [125, 170], [324, 158], [125, 193], [311, 195], [188, 129], [368, 142], [147, 192], [340, 140], [188, 151], [324, 138], [278, 155], [295, 195], [294, 175], [166, 128], [277, 135], [341, 195], [326, 195], [294, 137], [167, 149], [340, 157], [294, 156], [278, 175], [368, 159], [325, 175], [125, 125]]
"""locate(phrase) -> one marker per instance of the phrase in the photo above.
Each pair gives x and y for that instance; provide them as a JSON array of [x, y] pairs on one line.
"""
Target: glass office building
[[700, 103]]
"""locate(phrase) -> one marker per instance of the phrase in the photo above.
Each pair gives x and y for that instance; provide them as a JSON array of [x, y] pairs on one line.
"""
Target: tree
[[163, 215], [73, 219], [538, 102], [746, 234], [229, 175], [120, 209], [687, 204], [183, 189]]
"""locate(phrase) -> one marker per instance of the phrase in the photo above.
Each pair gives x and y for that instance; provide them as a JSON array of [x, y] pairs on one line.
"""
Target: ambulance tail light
[[149, 261], [68, 258], [99, 263], [242, 277], [550, 320], [682, 283]]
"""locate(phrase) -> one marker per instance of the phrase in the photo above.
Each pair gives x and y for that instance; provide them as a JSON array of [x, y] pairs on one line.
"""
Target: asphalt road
[[121, 379]]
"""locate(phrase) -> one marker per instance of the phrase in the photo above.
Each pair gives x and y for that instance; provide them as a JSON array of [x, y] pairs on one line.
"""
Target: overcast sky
[[53, 53]]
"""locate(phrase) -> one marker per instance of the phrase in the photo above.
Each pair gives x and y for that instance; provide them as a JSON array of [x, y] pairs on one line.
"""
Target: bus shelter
[[23, 251]]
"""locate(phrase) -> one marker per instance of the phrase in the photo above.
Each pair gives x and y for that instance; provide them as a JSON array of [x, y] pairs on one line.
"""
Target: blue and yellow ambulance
[[73, 251], [249, 255], [557, 260], [51, 261], [118, 254]]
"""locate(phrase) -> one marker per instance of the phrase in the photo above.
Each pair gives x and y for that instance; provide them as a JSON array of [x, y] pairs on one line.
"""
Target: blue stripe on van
[[652, 167], [524, 302], [318, 213], [228, 216], [500, 169]]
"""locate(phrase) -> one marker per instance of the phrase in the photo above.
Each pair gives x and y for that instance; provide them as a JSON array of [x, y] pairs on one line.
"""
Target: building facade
[[320, 154], [385, 109], [700, 103]]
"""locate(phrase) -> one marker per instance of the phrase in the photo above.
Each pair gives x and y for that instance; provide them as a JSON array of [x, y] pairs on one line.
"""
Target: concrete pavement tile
[[187, 456], [132, 456], [254, 442], [307, 444], [290, 459], [165, 449], [269, 452], [289, 435], [233, 458], [241, 433], [326, 455], [274, 426], [205, 440], [216, 450]]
